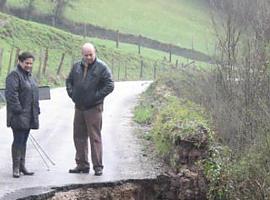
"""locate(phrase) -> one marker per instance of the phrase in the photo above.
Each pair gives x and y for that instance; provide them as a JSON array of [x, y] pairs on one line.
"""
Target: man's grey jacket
[[89, 91]]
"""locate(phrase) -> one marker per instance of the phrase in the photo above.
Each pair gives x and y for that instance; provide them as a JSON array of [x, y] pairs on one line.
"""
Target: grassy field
[[181, 22], [124, 61]]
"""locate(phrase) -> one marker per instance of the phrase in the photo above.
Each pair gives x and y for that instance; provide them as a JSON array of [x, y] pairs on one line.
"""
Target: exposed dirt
[[142, 190]]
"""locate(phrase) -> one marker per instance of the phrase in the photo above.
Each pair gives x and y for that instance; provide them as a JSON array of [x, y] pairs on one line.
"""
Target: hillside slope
[[180, 22]]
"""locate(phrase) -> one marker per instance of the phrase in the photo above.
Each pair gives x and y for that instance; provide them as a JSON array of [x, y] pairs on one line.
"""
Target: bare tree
[[59, 6], [29, 6], [241, 90], [2, 4]]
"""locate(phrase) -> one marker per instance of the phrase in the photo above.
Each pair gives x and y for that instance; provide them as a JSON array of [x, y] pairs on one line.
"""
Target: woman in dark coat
[[22, 109]]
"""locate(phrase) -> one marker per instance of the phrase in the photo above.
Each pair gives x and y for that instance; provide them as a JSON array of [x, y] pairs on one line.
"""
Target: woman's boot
[[16, 158], [22, 163]]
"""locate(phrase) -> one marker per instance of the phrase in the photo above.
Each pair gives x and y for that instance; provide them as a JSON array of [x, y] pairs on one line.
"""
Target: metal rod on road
[[47, 156], [47, 165]]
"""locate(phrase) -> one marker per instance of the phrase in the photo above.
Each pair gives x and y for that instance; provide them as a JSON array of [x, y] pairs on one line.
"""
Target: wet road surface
[[123, 153]]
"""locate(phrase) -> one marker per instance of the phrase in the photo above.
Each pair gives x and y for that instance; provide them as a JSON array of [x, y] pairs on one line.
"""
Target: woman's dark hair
[[25, 55]]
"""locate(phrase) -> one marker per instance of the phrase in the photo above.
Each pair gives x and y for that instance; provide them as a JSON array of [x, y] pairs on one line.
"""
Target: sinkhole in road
[[145, 189], [187, 185]]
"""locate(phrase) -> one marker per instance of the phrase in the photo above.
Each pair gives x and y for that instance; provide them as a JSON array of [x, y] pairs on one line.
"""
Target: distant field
[[181, 22]]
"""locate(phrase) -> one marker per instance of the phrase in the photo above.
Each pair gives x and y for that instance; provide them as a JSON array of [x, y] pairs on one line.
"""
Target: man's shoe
[[78, 170], [98, 171]]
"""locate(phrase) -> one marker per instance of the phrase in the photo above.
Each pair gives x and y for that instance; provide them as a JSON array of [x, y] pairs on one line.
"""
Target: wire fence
[[52, 65]]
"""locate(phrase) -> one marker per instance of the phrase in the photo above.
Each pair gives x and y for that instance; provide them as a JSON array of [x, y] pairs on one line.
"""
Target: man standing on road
[[88, 83]]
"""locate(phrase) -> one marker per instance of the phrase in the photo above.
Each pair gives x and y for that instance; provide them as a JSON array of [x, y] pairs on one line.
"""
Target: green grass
[[124, 61], [171, 118], [178, 22], [143, 114], [177, 119]]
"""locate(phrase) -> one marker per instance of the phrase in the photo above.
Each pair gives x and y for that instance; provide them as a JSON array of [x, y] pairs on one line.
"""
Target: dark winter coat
[[22, 100], [91, 90]]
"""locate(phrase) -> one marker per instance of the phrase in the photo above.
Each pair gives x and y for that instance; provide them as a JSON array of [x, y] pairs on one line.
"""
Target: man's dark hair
[[25, 55]]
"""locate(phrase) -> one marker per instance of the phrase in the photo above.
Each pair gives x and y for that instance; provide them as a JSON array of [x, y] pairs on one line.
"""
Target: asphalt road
[[123, 152]]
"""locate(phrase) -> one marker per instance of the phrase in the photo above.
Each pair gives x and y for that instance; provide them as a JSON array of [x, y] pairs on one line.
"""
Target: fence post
[[192, 43], [155, 70], [60, 64], [45, 61], [112, 66], [163, 63], [53, 21], [170, 52], [10, 59], [118, 73], [141, 71], [1, 58], [84, 30], [16, 56], [40, 56], [139, 44], [125, 70], [117, 38]]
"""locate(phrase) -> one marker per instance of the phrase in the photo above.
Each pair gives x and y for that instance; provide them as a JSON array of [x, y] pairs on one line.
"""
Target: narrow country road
[[123, 152]]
